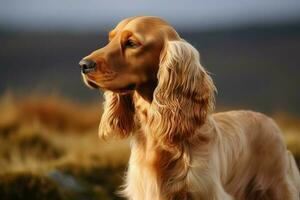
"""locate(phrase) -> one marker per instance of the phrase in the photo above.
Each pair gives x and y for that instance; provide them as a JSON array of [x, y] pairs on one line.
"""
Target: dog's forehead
[[146, 27], [139, 24], [120, 26], [123, 23]]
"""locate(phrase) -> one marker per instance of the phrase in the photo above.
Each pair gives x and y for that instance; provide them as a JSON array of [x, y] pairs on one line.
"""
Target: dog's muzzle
[[87, 66]]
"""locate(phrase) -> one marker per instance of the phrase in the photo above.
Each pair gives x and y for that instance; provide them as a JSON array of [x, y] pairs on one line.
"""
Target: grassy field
[[49, 149]]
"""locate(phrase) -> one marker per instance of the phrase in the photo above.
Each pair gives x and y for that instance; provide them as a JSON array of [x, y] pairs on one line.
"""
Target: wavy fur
[[117, 118], [184, 95]]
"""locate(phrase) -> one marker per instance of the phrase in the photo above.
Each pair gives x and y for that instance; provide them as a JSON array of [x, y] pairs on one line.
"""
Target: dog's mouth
[[128, 88], [90, 83]]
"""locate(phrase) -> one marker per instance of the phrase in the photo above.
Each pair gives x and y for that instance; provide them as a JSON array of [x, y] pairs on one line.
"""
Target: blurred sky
[[98, 14]]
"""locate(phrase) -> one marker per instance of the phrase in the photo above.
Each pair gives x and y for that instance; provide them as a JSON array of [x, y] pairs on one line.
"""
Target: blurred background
[[48, 118]]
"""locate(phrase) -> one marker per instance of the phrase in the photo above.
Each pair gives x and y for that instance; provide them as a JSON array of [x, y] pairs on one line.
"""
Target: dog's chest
[[143, 176]]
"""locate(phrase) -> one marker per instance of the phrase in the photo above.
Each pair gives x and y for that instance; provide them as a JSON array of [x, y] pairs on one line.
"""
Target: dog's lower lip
[[94, 85]]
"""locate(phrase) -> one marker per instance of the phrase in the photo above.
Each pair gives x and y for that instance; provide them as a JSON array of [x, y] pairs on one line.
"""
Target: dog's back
[[262, 168]]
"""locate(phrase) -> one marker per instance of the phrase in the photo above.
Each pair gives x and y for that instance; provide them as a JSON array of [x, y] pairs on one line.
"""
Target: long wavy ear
[[184, 95], [117, 118]]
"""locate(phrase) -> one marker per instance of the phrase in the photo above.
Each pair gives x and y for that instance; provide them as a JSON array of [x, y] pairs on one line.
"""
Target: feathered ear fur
[[117, 118], [184, 95]]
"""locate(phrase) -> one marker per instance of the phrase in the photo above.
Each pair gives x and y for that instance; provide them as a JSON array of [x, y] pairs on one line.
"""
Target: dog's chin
[[122, 90], [105, 86]]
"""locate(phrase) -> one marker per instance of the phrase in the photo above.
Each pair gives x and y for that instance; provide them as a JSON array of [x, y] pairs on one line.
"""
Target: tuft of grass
[[59, 113], [53, 112], [39, 146], [9, 117]]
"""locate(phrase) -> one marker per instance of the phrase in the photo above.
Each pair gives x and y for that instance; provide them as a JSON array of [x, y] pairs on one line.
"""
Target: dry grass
[[49, 147], [53, 140]]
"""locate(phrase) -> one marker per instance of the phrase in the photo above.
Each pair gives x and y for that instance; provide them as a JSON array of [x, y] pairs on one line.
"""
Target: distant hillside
[[253, 67]]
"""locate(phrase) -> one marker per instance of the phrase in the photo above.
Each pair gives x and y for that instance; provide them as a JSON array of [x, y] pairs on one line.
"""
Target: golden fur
[[157, 91]]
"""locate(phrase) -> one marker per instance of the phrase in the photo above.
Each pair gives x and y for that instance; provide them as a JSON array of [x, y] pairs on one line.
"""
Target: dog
[[157, 92]]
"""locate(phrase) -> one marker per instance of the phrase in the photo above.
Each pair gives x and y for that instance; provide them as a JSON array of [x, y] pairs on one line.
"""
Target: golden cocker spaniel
[[157, 91]]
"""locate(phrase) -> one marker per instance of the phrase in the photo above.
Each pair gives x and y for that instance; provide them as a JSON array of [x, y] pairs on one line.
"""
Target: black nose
[[87, 66]]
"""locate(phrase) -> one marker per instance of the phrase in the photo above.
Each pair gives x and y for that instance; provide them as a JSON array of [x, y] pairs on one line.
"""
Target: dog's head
[[132, 56], [143, 53]]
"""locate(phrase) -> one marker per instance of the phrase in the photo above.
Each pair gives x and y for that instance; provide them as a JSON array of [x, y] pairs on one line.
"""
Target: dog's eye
[[130, 44]]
